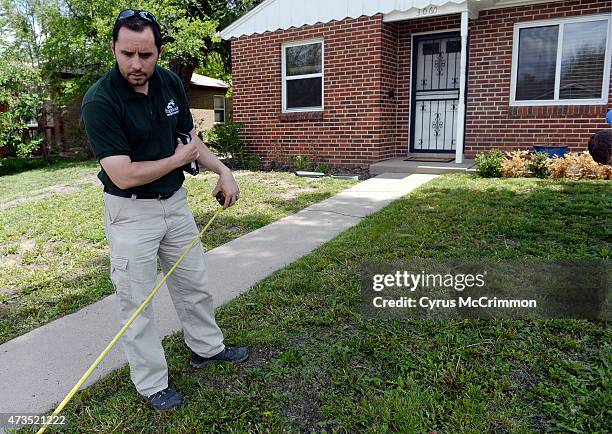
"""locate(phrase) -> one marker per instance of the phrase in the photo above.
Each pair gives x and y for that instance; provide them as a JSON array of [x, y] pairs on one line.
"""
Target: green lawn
[[33, 184], [53, 253], [318, 365]]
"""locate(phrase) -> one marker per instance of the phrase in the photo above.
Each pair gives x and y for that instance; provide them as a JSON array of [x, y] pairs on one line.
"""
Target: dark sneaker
[[166, 399], [229, 354]]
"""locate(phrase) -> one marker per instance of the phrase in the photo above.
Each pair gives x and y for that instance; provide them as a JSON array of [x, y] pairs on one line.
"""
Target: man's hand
[[185, 154], [227, 184]]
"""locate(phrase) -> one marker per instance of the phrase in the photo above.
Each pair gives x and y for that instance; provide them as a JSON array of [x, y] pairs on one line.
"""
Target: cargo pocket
[[120, 278]]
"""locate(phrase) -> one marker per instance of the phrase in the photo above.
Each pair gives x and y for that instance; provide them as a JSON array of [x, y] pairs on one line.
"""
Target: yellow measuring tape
[[125, 327]]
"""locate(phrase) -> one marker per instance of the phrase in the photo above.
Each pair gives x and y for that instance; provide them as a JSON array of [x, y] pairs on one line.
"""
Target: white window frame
[[215, 109], [561, 22], [284, 46]]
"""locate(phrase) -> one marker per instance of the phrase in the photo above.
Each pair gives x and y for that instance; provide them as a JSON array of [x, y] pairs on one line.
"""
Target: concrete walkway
[[39, 368]]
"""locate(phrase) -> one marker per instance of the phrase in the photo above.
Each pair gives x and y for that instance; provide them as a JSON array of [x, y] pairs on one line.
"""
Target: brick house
[[353, 82]]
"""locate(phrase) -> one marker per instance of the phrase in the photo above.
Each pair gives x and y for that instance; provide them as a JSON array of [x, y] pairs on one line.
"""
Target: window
[[302, 76], [219, 107], [561, 61]]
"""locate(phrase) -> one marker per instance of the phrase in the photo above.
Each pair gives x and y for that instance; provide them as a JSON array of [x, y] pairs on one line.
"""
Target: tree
[[21, 103], [65, 43], [210, 53], [23, 31]]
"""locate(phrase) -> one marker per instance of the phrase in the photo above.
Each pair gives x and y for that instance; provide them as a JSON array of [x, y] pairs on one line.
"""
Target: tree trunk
[[184, 71], [42, 129]]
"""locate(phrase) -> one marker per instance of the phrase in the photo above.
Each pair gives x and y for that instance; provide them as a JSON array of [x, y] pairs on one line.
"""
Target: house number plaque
[[430, 10]]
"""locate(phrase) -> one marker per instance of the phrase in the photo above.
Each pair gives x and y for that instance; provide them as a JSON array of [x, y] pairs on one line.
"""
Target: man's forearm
[[207, 158], [143, 172]]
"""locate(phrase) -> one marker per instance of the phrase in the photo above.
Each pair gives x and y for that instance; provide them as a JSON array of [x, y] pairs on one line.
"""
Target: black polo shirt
[[120, 121]]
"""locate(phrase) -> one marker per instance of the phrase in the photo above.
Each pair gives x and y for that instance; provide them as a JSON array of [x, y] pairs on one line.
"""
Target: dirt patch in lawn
[[43, 193], [10, 260], [46, 257]]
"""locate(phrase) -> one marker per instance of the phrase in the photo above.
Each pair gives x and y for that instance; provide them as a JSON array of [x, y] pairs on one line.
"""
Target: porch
[[421, 165]]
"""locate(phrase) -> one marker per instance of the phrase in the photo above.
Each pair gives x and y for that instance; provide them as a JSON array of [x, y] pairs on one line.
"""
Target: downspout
[[462, 78]]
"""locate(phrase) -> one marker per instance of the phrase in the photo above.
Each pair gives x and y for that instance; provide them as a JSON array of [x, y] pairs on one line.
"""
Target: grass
[[13, 165], [53, 252], [37, 183], [318, 365]]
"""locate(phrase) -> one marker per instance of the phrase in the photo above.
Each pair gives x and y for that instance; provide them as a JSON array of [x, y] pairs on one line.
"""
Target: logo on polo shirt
[[171, 108]]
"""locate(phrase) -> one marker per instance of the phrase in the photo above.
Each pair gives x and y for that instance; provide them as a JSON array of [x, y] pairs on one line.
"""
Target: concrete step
[[398, 165]]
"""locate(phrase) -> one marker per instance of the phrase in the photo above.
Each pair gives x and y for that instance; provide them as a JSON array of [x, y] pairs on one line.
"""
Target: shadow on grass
[[14, 166]]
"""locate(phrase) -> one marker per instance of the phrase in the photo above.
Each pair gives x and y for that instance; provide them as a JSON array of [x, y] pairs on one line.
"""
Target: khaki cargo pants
[[138, 232]]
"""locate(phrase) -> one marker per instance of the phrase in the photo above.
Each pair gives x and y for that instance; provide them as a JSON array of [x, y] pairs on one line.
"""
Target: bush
[[515, 165], [226, 141], [251, 162], [324, 168], [300, 162], [579, 166], [490, 166], [539, 165]]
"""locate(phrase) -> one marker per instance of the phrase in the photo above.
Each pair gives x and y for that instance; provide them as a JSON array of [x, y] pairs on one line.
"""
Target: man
[[132, 116]]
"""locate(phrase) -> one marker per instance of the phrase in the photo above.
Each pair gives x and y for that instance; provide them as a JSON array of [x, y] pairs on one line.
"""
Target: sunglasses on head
[[129, 13]]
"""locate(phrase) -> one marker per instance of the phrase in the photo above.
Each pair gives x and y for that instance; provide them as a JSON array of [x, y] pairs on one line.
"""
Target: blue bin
[[559, 151]]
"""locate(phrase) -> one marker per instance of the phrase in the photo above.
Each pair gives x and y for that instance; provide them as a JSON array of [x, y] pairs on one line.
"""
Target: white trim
[[462, 80], [431, 10], [561, 22], [273, 15], [435, 32], [556, 91], [215, 109], [284, 77], [229, 30], [501, 4]]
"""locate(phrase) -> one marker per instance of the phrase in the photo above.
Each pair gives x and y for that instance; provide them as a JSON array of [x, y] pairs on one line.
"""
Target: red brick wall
[[365, 59], [490, 119], [349, 132], [389, 97]]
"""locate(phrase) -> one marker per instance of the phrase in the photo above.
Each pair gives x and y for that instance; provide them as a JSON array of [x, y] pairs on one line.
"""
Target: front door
[[436, 63]]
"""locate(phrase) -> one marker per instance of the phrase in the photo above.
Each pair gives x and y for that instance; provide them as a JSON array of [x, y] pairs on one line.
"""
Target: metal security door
[[436, 65]]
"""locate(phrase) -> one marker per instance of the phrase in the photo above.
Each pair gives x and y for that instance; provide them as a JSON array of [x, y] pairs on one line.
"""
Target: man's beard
[[137, 80]]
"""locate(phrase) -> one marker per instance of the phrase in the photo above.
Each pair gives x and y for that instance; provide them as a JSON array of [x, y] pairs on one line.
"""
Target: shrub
[[579, 166], [605, 171], [251, 162], [225, 139], [539, 165], [299, 162], [585, 167], [490, 165], [324, 168], [558, 166], [515, 165]]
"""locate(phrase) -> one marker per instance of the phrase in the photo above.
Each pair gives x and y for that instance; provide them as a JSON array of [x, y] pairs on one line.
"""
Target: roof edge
[[243, 18]]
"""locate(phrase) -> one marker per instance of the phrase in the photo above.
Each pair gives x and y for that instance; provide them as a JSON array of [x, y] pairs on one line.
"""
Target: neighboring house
[[208, 103], [352, 82]]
